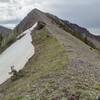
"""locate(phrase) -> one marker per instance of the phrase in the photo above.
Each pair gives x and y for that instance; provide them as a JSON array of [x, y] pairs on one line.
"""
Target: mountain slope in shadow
[[5, 31]]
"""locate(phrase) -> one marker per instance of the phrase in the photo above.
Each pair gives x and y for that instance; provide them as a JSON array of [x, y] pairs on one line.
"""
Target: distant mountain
[[81, 30], [84, 33], [5, 31], [78, 31]]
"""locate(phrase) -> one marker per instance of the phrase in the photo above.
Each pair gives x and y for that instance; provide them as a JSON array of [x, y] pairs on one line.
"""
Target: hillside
[[6, 38], [84, 34], [5, 31], [62, 65], [80, 32]]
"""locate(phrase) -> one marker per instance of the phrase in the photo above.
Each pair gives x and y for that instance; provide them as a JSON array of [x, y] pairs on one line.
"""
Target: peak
[[34, 16], [35, 10]]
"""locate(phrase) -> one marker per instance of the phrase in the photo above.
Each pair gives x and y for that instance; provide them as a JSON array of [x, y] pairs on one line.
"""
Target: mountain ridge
[[80, 32], [62, 66]]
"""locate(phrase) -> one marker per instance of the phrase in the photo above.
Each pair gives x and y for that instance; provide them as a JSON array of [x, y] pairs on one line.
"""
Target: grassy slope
[[47, 75], [80, 72], [49, 62]]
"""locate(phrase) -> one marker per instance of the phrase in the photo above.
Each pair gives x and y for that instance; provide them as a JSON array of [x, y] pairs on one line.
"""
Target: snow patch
[[28, 30], [17, 54]]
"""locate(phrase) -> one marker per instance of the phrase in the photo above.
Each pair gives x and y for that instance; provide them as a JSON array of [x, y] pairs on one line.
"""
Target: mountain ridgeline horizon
[[65, 64], [76, 30]]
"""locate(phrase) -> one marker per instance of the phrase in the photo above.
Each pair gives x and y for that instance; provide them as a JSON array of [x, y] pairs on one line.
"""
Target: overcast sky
[[83, 12]]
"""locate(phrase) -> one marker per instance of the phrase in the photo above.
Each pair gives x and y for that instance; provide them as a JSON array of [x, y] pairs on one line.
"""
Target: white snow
[[28, 31], [17, 54]]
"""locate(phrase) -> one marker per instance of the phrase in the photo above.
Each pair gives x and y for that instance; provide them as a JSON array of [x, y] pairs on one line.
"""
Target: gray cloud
[[4, 0], [83, 12], [14, 21]]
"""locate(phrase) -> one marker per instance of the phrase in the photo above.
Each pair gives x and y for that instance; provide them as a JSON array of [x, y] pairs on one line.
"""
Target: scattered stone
[[15, 75], [98, 98], [40, 25], [73, 97]]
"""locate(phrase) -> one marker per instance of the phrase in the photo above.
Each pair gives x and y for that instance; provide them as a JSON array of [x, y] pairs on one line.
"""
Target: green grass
[[97, 86], [44, 71], [50, 59]]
